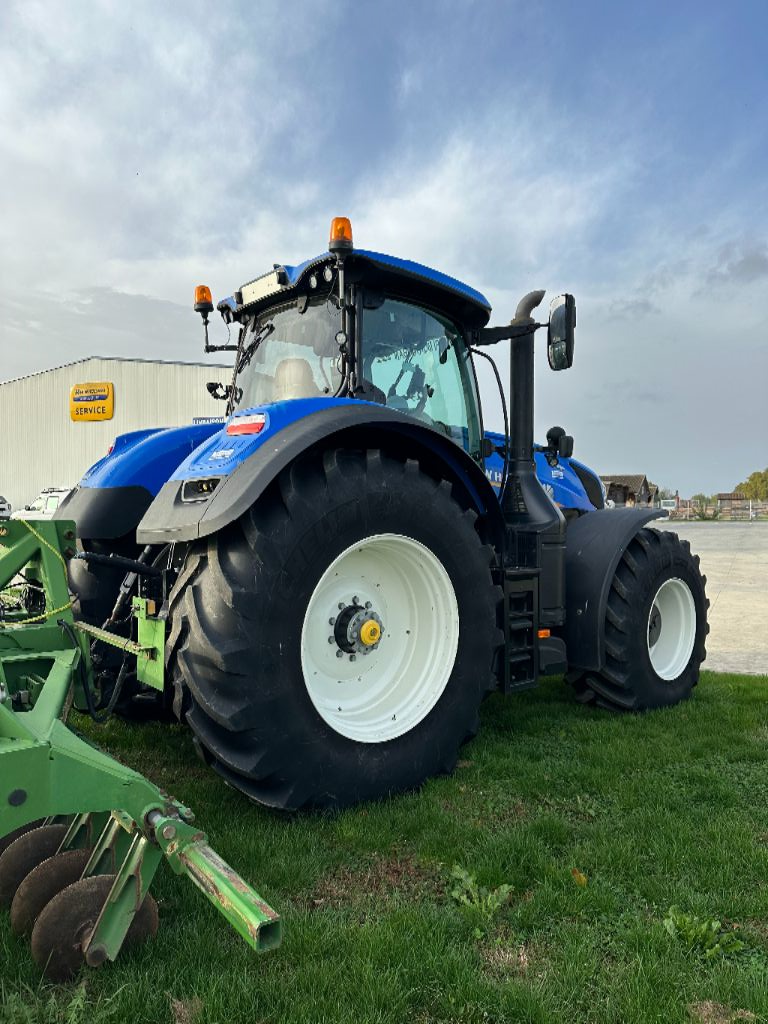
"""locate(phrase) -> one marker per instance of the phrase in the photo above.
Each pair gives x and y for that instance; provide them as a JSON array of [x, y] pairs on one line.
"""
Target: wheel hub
[[671, 629], [388, 594], [654, 626], [357, 629]]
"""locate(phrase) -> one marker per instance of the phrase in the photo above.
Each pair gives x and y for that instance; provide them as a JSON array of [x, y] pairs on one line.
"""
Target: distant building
[[726, 502], [632, 489], [57, 423]]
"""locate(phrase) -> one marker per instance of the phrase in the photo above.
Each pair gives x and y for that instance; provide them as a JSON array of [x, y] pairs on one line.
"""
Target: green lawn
[[670, 808]]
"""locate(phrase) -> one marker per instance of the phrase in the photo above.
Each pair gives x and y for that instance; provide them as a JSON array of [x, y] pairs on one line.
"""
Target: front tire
[[334, 644], [655, 627]]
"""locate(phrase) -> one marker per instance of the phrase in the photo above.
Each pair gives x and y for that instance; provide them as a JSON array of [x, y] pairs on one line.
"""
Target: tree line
[[755, 486]]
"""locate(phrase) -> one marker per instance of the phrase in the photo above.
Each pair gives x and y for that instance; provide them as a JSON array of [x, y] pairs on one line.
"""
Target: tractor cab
[[358, 324]]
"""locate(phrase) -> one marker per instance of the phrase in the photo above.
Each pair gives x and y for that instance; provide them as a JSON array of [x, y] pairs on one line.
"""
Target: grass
[[598, 823]]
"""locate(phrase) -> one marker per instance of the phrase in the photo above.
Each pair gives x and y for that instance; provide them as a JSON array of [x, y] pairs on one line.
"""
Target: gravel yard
[[734, 557]]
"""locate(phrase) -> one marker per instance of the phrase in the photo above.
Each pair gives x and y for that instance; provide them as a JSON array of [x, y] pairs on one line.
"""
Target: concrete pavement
[[734, 558]]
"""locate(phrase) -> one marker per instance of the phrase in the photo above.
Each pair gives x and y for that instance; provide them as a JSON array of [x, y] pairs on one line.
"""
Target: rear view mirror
[[561, 332]]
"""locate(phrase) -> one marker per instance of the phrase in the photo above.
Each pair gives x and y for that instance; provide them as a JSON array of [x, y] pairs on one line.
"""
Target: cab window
[[417, 361], [298, 357]]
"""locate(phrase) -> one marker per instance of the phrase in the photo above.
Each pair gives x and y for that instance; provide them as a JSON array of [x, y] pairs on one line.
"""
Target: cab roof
[[390, 273]]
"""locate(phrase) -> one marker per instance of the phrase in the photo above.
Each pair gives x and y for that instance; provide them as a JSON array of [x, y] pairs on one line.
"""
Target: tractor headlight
[[199, 490]]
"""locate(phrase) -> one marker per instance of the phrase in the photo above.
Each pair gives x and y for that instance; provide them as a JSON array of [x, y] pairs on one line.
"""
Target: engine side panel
[[563, 482]]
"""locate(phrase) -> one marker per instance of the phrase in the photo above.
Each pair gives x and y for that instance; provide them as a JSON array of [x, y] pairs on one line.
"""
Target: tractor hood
[[115, 492]]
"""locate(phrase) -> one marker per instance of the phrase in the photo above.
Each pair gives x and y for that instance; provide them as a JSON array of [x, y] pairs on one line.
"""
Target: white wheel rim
[[671, 631], [378, 696]]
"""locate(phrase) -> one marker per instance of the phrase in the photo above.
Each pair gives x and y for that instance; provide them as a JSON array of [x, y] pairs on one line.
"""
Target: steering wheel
[[417, 388]]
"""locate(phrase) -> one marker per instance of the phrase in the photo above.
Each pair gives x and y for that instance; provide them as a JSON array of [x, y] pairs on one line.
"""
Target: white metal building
[[41, 445]]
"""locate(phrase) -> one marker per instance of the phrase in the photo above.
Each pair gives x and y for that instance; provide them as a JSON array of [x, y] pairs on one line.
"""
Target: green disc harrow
[[81, 835]]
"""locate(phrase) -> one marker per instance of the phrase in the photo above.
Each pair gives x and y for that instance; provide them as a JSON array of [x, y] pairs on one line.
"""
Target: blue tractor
[[347, 564]]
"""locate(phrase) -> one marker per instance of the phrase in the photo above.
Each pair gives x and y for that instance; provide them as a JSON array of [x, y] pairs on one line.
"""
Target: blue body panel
[[223, 452], [560, 482], [149, 458]]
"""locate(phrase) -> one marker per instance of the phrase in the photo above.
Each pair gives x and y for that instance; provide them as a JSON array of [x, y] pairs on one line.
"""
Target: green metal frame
[[47, 770]]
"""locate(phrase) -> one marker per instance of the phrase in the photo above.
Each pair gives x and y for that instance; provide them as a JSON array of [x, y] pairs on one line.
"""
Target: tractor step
[[521, 669]]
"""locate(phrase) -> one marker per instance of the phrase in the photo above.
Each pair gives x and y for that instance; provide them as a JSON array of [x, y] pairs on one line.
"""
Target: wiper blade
[[250, 349]]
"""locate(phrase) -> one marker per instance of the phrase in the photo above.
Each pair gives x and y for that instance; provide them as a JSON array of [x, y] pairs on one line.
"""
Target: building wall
[[40, 446]]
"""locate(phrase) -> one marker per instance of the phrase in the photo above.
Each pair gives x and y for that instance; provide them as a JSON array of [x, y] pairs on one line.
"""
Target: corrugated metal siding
[[40, 446]]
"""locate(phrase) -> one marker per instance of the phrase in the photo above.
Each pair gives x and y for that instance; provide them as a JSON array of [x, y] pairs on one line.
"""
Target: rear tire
[[250, 624], [655, 627]]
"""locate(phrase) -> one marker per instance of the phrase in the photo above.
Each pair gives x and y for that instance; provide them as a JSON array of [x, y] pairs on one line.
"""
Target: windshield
[[298, 357]]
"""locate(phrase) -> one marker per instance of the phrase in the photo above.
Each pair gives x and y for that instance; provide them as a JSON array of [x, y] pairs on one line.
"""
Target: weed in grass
[[185, 1011], [709, 1012], [505, 959], [579, 878], [581, 807], [479, 903], [54, 1006], [399, 876], [702, 935]]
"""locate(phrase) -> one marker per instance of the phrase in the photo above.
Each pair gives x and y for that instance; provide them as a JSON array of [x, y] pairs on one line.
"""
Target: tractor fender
[[594, 544], [316, 424]]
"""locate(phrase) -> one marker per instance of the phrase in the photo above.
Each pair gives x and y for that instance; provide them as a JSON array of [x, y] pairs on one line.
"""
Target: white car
[[5, 508], [44, 505]]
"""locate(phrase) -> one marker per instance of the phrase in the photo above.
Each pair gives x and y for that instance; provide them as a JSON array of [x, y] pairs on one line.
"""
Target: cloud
[[740, 263], [632, 309]]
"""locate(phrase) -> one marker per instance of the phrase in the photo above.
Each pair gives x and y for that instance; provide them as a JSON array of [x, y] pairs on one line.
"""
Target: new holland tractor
[[348, 564], [323, 587]]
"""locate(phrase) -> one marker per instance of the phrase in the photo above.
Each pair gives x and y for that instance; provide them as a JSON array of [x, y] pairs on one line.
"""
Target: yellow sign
[[89, 402]]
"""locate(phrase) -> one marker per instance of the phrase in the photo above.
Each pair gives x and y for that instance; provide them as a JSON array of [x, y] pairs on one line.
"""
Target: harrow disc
[[24, 854], [42, 884], [5, 841], [64, 924]]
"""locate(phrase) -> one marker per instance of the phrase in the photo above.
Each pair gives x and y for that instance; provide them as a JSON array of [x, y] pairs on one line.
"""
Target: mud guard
[[594, 544], [358, 426]]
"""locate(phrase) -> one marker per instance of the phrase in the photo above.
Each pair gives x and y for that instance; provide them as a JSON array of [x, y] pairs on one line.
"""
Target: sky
[[615, 151]]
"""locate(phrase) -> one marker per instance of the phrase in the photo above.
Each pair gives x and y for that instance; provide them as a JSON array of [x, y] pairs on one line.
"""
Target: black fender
[[105, 513], [594, 544], [169, 519]]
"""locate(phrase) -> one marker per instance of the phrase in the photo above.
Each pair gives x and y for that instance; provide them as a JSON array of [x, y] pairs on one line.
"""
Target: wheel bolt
[[368, 604], [355, 600], [341, 606], [352, 657], [339, 654], [331, 639], [331, 622]]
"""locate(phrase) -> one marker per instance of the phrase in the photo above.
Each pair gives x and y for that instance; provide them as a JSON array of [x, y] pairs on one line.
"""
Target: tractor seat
[[293, 379]]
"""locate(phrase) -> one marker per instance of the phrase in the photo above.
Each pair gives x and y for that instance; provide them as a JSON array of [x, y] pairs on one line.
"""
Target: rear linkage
[[81, 835]]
